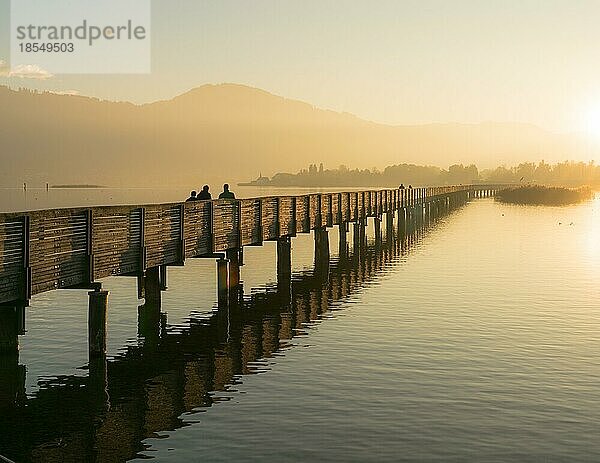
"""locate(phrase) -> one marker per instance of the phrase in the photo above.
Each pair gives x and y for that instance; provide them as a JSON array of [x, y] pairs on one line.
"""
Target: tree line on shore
[[568, 173], [544, 195]]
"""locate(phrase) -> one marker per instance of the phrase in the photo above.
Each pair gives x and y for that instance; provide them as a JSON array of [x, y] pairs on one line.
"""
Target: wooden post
[[149, 313], [363, 232], [284, 258], [343, 242], [141, 286], [402, 221], [98, 307], [321, 249], [389, 217], [356, 232], [222, 289], [20, 311], [9, 329], [377, 222], [152, 287], [233, 277], [163, 277], [149, 324]]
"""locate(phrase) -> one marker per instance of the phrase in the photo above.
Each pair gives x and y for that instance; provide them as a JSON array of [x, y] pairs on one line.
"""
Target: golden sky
[[398, 62]]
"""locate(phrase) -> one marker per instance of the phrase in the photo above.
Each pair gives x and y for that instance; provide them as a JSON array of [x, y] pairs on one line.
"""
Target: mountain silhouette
[[232, 132]]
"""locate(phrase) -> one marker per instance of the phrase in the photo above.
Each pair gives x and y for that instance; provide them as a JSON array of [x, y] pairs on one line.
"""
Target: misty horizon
[[75, 93], [233, 133]]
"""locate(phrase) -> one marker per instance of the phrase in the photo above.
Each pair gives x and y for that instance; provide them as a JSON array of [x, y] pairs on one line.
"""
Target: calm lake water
[[479, 341]]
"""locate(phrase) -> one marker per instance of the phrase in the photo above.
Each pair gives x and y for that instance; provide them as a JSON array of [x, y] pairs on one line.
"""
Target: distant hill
[[232, 132]]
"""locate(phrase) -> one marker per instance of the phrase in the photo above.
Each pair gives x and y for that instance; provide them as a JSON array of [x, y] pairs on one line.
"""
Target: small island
[[544, 195]]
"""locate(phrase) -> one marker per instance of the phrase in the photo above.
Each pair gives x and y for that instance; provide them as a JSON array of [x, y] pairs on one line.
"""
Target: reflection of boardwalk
[[75, 248], [105, 416]]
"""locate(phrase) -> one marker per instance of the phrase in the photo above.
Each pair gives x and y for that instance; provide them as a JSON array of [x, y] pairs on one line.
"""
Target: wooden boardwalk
[[75, 248]]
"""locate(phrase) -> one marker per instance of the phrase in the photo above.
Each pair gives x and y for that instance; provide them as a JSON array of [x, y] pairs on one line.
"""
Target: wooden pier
[[76, 248]]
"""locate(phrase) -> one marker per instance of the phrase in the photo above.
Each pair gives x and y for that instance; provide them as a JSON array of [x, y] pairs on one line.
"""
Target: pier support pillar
[[284, 258], [356, 231], [234, 281], [321, 249], [141, 287], [222, 283], [234, 269], [149, 321], [9, 329], [343, 242], [162, 277], [20, 309], [389, 221], [284, 270], [363, 232], [402, 222], [98, 307], [377, 222], [152, 287], [149, 312]]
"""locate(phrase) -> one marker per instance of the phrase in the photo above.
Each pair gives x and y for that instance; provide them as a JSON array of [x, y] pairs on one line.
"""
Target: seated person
[[226, 193], [204, 194]]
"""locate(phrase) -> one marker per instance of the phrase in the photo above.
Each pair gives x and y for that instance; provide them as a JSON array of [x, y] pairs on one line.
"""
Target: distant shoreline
[[79, 187]]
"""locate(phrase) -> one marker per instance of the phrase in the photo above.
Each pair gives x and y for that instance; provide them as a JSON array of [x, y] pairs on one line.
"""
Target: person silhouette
[[401, 187], [204, 194], [226, 193], [192, 196]]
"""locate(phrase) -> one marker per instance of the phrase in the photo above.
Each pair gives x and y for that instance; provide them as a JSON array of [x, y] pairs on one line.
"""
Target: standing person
[[192, 196], [204, 194], [401, 187], [226, 193]]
